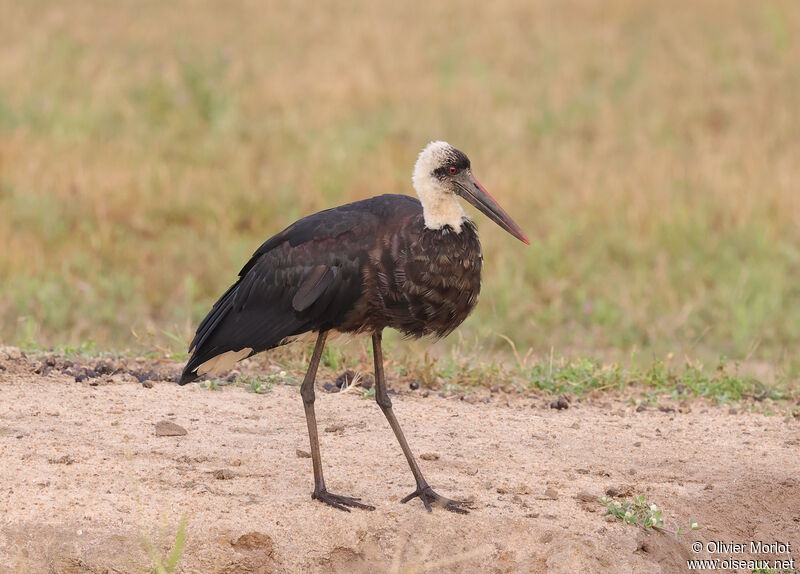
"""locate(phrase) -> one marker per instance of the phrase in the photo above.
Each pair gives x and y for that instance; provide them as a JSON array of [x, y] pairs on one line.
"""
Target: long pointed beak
[[477, 195]]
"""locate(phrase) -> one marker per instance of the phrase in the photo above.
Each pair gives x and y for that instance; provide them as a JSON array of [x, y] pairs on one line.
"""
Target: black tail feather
[[230, 330]]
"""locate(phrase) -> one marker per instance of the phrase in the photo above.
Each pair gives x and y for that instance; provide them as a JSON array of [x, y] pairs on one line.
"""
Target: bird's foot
[[430, 499], [338, 501]]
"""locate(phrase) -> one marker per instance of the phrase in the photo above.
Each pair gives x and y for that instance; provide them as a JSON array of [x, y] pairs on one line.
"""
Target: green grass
[[722, 382], [652, 160], [637, 511], [166, 563], [252, 384]]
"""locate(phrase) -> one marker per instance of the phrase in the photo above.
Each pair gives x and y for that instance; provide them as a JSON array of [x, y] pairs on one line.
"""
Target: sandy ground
[[85, 478]]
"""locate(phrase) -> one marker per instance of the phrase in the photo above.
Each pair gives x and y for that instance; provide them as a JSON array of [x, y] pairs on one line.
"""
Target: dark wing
[[305, 278]]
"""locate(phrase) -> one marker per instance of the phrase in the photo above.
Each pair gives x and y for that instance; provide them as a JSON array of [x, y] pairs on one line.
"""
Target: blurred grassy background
[[649, 149]]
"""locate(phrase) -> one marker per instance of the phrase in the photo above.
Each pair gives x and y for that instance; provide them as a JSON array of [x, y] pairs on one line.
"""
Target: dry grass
[[650, 151]]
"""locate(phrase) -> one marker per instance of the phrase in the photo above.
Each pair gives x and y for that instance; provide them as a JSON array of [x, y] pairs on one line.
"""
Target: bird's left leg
[[307, 392], [425, 493]]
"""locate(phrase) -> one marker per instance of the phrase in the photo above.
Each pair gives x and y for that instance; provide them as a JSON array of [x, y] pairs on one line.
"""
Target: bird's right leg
[[426, 494], [307, 392]]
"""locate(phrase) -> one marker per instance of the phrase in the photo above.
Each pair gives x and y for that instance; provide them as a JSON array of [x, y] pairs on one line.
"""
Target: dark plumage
[[389, 261]]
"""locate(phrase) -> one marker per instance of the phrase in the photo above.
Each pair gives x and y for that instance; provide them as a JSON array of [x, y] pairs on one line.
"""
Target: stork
[[391, 261]]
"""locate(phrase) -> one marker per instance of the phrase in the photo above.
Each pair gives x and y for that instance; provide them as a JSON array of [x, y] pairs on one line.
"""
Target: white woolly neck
[[440, 206]]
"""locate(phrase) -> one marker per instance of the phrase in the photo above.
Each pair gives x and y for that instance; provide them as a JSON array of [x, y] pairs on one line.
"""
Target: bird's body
[[391, 261], [360, 267]]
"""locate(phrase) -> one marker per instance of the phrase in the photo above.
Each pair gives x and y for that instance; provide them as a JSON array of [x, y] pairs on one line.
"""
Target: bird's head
[[442, 173]]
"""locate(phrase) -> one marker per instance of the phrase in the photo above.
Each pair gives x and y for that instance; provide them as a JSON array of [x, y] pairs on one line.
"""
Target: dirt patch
[[86, 478]]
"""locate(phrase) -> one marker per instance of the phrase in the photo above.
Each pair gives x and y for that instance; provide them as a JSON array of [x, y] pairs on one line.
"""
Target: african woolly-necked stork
[[390, 261]]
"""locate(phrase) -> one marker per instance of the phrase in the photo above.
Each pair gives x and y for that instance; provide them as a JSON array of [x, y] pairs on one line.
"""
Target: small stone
[[104, 368], [429, 456], [709, 486], [546, 538], [169, 428], [366, 381], [147, 384], [551, 493], [236, 462], [223, 474], [519, 489], [637, 443], [345, 379], [585, 496], [559, 403], [302, 454], [66, 459], [80, 377], [619, 491], [330, 388], [666, 409], [413, 385], [641, 409], [254, 541]]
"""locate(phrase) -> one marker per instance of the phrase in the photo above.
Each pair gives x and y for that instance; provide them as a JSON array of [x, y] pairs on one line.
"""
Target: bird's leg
[[307, 392], [425, 493]]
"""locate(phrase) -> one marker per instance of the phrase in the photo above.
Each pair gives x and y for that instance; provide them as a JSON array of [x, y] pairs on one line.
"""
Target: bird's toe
[[431, 498], [340, 502]]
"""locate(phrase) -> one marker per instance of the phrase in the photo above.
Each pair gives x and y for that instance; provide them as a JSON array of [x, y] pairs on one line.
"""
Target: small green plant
[[169, 564], [368, 393], [693, 525], [254, 384], [213, 385], [636, 512]]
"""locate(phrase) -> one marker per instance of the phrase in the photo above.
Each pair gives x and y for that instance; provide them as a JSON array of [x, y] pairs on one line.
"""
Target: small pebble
[[345, 379], [254, 541], [619, 491], [169, 428], [520, 489]]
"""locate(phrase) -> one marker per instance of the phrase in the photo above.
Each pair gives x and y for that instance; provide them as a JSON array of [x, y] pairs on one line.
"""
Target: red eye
[[452, 170]]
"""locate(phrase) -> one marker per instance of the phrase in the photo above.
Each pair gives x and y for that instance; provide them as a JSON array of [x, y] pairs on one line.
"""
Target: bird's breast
[[420, 281]]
